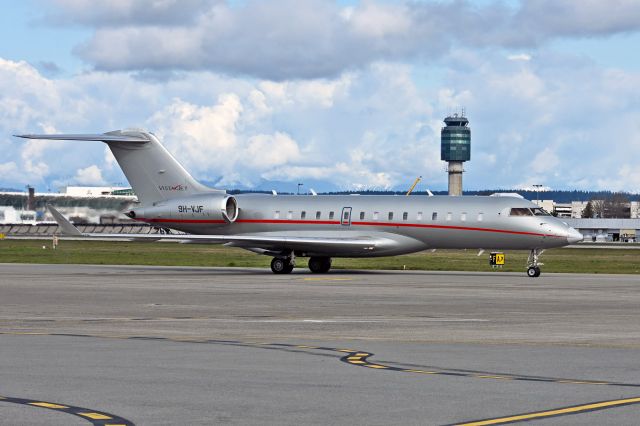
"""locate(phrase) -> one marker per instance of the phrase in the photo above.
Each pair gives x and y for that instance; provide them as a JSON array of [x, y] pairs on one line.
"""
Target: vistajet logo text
[[178, 187]]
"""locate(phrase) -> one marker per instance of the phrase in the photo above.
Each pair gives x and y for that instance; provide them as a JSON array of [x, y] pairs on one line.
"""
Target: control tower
[[455, 148]]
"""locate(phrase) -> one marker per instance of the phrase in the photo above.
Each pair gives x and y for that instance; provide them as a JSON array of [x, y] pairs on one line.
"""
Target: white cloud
[[374, 128], [378, 20], [267, 151], [288, 39], [203, 137], [126, 12], [8, 171], [320, 92], [548, 18], [91, 176], [519, 57]]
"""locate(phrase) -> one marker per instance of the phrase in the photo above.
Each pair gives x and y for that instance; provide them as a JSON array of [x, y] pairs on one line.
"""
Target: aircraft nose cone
[[574, 236]]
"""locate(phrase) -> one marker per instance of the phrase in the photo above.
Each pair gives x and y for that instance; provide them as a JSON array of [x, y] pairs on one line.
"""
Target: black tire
[[320, 265], [537, 272], [279, 266], [533, 272], [288, 269]]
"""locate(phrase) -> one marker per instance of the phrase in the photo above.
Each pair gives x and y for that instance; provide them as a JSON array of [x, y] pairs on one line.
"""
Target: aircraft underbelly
[[413, 239]]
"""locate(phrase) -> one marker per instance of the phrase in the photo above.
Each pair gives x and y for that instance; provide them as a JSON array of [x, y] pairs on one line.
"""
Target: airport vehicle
[[317, 227]]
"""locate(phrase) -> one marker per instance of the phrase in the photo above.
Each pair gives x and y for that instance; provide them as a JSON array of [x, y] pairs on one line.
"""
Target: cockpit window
[[520, 211], [540, 212]]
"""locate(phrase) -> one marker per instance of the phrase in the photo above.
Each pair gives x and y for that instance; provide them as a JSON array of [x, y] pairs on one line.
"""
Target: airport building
[[607, 230], [97, 191], [9, 214], [81, 204], [597, 229]]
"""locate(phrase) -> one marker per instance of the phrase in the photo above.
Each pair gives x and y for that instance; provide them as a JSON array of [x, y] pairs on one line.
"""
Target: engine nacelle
[[204, 208]]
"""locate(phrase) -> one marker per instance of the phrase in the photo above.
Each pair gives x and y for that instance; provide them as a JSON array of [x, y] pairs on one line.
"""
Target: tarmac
[[114, 345]]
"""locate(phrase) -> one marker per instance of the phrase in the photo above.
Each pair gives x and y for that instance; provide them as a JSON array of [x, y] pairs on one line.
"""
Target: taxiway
[[163, 345]]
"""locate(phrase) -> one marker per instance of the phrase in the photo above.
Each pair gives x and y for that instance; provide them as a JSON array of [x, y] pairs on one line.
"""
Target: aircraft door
[[346, 216]]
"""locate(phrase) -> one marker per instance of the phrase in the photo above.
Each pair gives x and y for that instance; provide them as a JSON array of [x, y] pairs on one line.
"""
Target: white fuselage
[[413, 223]]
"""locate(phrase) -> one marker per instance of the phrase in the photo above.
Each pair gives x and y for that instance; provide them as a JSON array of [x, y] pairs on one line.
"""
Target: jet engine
[[204, 208]]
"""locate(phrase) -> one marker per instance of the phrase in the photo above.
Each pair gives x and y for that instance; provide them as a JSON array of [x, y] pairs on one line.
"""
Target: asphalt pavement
[[199, 346]]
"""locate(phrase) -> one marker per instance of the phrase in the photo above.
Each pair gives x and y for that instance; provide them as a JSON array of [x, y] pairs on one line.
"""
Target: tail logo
[[178, 187]]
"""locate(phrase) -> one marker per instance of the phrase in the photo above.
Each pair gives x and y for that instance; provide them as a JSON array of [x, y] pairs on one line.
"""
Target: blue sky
[[338, 95]]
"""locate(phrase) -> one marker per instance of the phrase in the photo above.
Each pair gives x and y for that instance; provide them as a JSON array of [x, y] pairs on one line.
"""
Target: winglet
[[67, 227]]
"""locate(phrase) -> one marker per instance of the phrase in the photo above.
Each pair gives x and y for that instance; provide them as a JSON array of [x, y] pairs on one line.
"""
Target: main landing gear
[[284, 265], [319, 265], [533, 265]]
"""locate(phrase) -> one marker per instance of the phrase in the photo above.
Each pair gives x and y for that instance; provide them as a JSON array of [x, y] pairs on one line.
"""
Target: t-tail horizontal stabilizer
[[151, 170], [115, 136]]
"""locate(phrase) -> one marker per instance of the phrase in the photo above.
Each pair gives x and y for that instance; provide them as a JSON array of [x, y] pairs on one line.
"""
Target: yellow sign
[[2, 236], [496, 259]]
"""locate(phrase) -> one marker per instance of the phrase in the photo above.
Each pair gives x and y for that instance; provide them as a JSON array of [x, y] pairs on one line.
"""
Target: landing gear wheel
[[281, 266], [533, 272], [533, 263], [319, 265]]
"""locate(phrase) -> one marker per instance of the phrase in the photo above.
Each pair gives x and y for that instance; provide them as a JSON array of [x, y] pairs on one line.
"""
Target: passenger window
[[317, 215], [290, 215], [480, 217], [390, 215], [463, 216], [419, 216], [375, 215], [330, 215], [449, 215], [276, 214], [405, 216], [303, 215], [434, 216], [361, 215]]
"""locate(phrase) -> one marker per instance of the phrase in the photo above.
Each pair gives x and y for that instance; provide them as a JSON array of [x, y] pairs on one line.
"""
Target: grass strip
[[592, 261]]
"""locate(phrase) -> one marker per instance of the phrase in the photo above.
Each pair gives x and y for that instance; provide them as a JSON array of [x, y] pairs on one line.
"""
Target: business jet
[[318, 227]]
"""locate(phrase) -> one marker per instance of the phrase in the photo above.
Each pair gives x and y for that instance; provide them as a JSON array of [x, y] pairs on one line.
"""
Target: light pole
[[537, 187]]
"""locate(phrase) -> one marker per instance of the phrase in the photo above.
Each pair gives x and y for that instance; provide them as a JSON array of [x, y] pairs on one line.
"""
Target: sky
[[337, 95]]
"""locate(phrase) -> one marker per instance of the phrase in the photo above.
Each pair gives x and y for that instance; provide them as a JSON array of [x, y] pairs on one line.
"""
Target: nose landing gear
[[533, 265], [533, 271]]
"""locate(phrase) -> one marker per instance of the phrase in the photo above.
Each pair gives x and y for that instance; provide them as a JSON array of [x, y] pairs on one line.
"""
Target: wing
[[265, 241]]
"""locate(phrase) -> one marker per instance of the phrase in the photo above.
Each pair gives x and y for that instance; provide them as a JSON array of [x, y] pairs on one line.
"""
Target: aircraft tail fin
[[151, 170]]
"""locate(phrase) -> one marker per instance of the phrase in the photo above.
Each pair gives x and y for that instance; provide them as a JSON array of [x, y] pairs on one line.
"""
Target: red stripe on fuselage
[[161, 220], [291, 221], [460, 228], [335, 222]]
